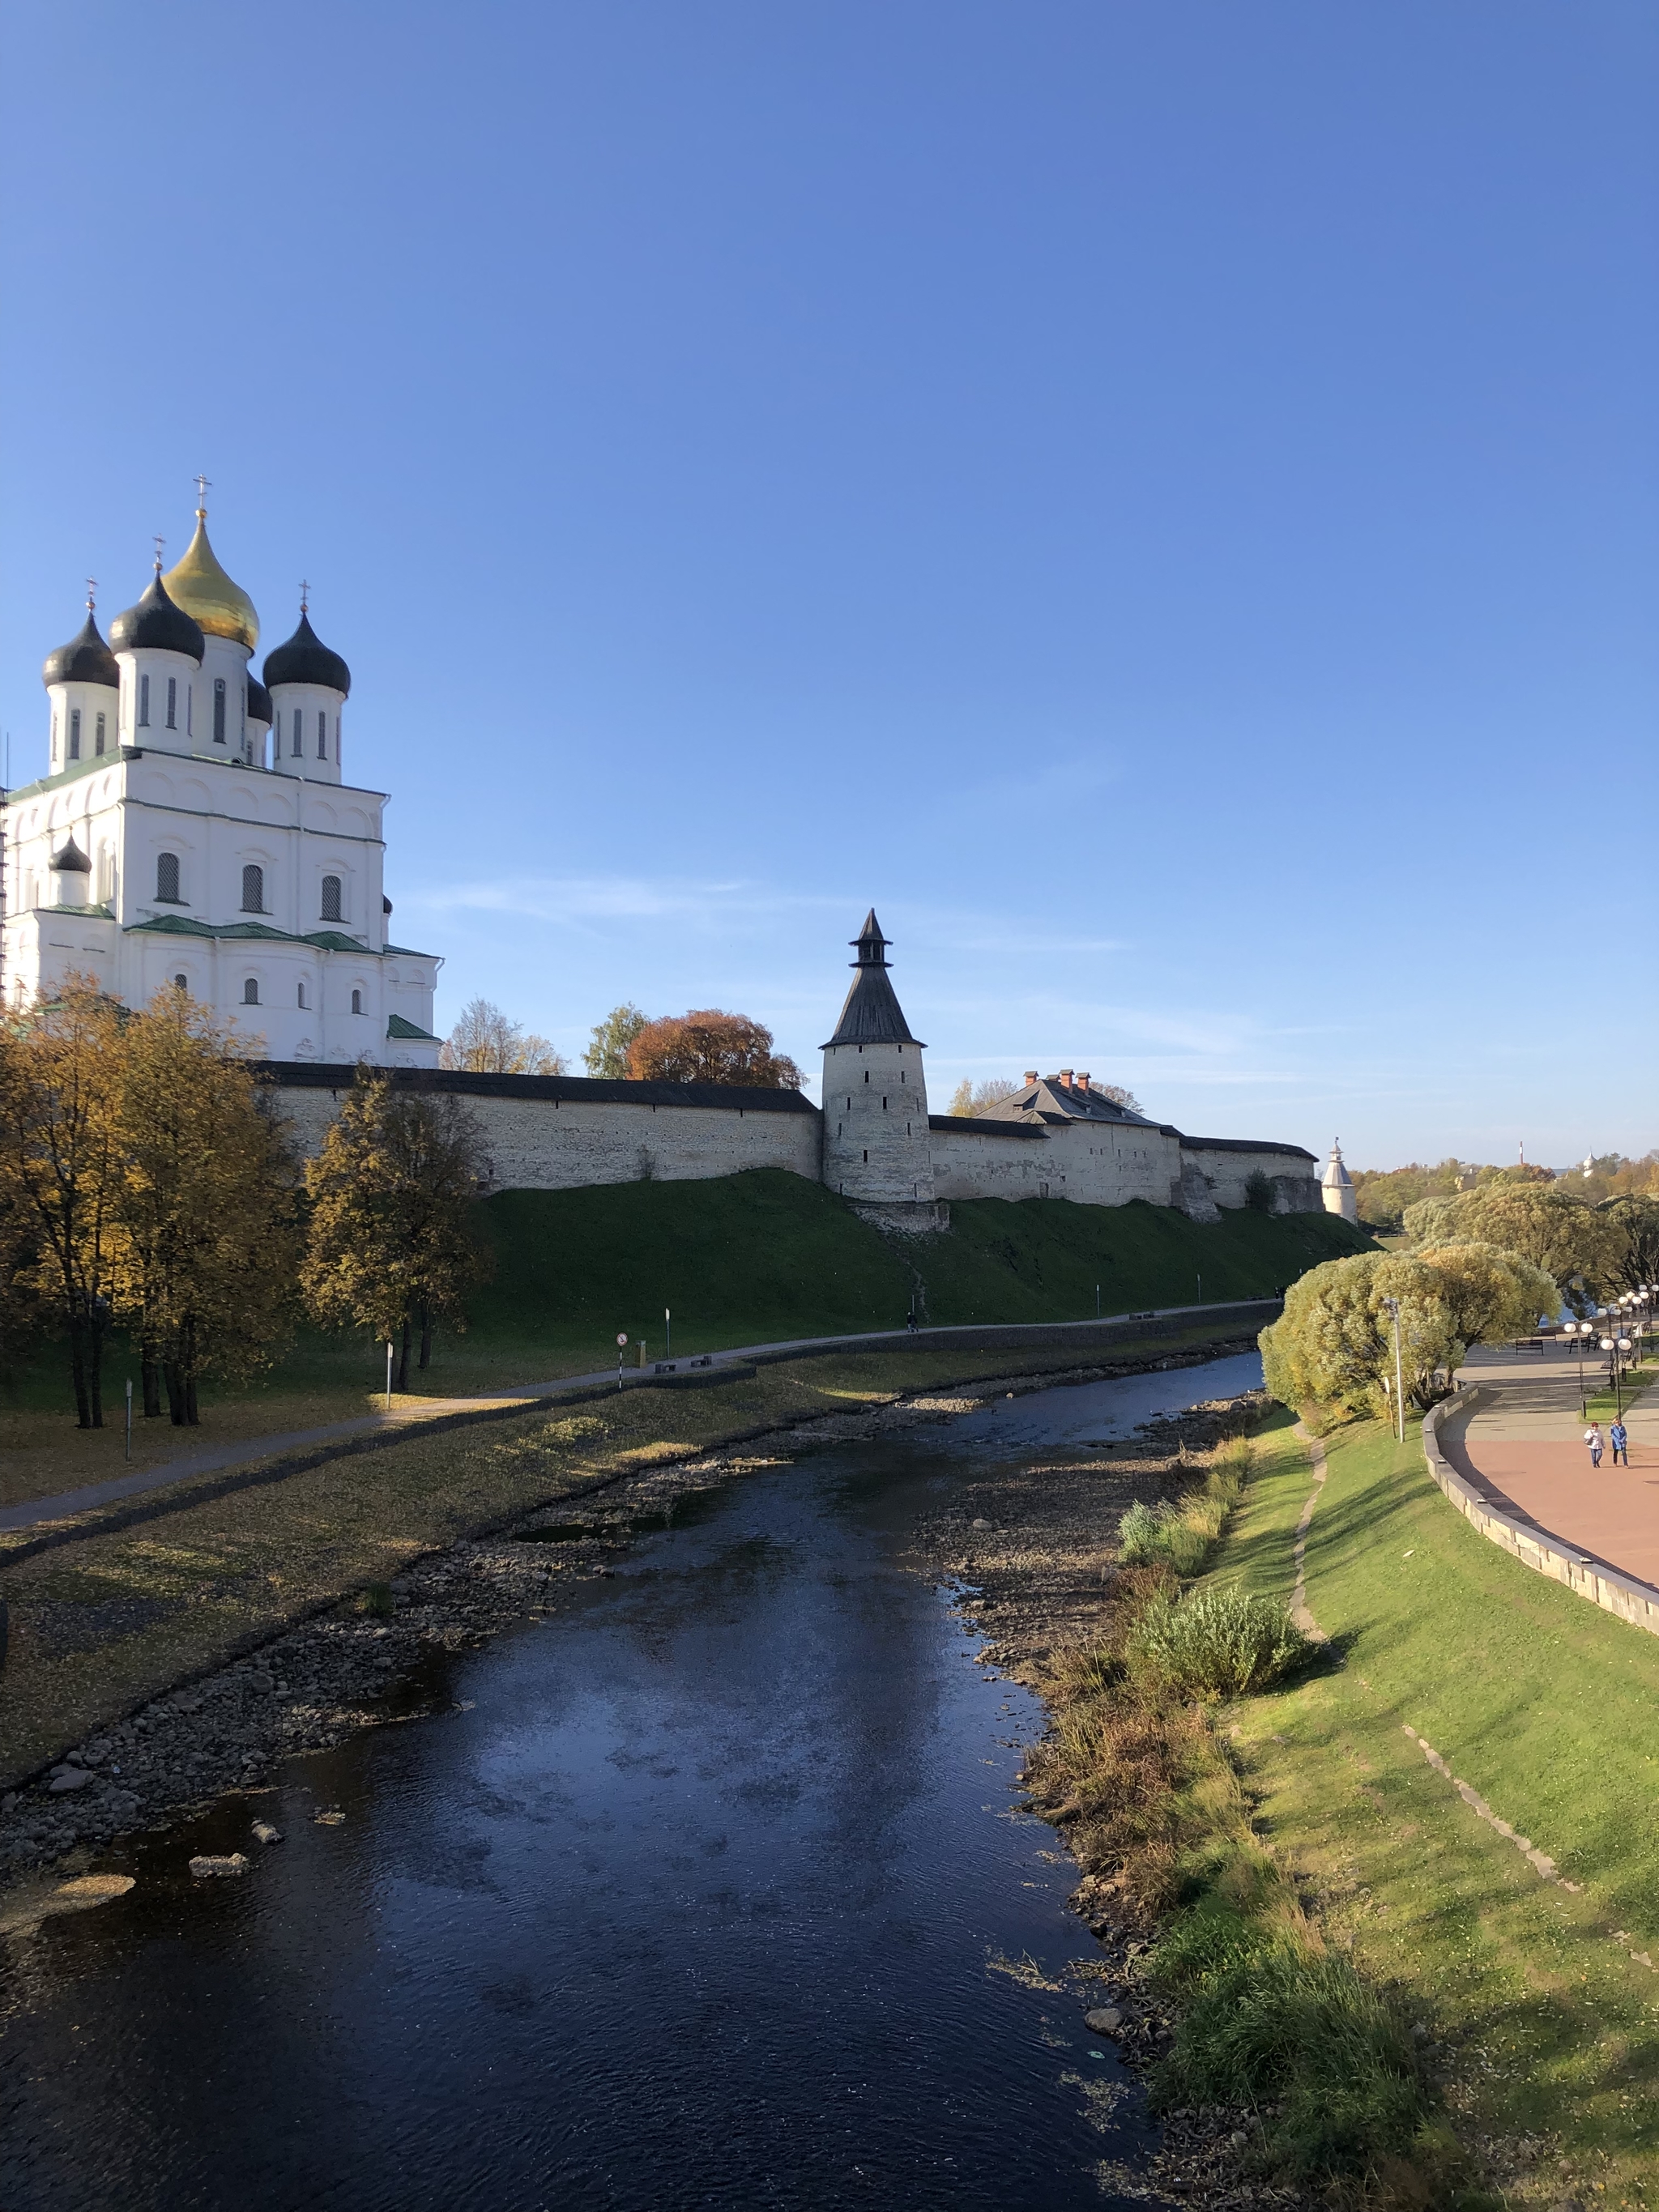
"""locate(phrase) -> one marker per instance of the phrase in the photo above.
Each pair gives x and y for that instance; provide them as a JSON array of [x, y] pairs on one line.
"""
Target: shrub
[[1140, 1533], [1180, 1536], [1259, 1191], [1270, 2021], [1216, 1642]]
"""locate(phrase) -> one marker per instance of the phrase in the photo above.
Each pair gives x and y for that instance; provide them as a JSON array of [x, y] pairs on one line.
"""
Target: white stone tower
[[875, 1098], [1336, 1186]]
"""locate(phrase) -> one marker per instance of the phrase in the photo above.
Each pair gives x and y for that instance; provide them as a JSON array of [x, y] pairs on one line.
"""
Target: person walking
[[1593, 1438], [1619, 1438]]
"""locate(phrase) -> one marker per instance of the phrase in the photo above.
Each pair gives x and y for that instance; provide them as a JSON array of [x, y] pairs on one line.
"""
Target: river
[[704, 1892]]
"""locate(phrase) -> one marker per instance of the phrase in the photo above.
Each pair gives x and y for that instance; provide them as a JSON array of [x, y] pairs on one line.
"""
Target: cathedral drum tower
[[195, 830], [876, 1150]]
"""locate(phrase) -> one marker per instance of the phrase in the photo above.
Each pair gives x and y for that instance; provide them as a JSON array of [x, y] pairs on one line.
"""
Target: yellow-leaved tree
[[59, 1069], [392, 1246], [205, 1242]]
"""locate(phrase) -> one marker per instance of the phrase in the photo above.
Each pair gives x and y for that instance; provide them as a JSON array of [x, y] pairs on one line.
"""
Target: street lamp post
[[1393, 1306], [1578, 1330], [1615, 1347]]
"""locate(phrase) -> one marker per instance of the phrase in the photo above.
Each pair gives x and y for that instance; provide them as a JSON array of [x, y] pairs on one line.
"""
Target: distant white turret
[[1336, 1186]]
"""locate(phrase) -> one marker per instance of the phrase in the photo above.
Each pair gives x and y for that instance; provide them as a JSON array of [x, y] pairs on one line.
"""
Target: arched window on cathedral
[[98, 740], [143, 702], [167, 879], [297, 747], [322, 735], [181, 982], [331, 909], [253, 890], [356, 1002], [172, 702], [302, 998], [74, 733], [250, 992], [218, 710]]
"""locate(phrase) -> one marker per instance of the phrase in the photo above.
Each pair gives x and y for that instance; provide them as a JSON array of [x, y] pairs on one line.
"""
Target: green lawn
[[767, 1256], [744, 1259], [1550, 1709]]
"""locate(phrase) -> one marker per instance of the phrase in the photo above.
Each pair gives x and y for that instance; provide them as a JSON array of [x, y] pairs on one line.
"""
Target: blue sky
[[1161, 498]]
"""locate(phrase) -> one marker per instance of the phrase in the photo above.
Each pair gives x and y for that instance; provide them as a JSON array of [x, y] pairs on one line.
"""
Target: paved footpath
[[31, 1512], [1525, 1443]]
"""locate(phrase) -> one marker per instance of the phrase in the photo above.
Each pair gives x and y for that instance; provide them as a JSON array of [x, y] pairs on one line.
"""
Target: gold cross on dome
[[203, 488], [92, 593], [159, 543], [305, 597]]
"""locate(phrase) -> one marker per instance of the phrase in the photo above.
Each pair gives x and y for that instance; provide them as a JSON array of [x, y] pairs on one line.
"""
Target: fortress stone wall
[[874, 1143], [559, 1132], [562, 1132]]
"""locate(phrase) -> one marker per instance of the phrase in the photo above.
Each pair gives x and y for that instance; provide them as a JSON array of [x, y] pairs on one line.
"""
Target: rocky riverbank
[[360, 1665], [1035, 1548], [1036, 1545]]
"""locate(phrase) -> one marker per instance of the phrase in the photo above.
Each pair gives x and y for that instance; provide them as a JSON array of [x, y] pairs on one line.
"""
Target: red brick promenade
[[1525, 1445]]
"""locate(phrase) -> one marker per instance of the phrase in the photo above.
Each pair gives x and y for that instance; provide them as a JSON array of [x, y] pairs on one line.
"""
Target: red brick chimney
[[1083, 1083], [1030, 1075], [1065, 1079]]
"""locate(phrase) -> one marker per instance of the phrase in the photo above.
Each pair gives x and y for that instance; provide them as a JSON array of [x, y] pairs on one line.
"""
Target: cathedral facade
[[196, 827]]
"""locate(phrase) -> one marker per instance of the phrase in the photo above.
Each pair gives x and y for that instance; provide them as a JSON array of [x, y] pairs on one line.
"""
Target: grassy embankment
[[740, 1260], [1337, 1920], [107, 1620], [1546, 2027]]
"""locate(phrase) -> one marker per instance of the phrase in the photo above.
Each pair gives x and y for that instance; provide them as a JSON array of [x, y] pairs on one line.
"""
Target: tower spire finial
[[305, 597], [92, 593], [159, 543], [203, 488]]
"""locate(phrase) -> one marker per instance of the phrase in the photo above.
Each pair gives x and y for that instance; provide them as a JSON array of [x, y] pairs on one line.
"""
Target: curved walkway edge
[[1635, 1602]]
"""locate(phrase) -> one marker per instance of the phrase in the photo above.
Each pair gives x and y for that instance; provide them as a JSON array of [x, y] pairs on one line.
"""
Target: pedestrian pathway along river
[[706, 1894]]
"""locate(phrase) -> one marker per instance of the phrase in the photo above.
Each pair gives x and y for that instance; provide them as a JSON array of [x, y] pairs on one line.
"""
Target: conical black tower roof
[[872, 1013], [85, 660], [304, 659]]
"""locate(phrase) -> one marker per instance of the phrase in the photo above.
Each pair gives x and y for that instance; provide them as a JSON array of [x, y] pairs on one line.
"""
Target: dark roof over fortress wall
[[975, 1124], [1245, 1145], [555, 1089]]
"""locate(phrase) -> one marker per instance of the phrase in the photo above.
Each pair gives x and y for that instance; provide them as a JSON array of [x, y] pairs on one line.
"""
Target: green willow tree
[[1332, 1349], [390, 1246], [205, 1237]]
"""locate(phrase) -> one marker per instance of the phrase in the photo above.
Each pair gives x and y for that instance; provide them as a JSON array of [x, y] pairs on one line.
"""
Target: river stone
[[331, 1820], [207, 1864], [264, 1833], [978, 1524], [69, 1778], [1106, 2019]]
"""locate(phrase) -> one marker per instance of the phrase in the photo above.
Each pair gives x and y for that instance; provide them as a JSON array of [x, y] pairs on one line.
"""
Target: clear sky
[[1162, 499]]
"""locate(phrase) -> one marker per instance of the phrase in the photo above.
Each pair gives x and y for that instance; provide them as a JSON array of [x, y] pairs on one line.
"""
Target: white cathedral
[[195, 827]]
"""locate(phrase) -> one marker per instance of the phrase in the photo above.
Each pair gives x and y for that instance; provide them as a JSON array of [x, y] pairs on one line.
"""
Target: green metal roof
[[397, 1027]]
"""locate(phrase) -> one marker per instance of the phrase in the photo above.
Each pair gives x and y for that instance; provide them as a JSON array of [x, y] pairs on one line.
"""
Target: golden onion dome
[[200, 587]]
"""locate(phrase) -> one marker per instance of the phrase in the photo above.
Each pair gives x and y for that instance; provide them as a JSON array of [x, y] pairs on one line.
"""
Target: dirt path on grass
[[34, 1512]]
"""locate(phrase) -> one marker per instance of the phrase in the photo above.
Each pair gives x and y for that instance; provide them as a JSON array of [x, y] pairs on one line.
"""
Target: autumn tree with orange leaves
[[710, 1047]]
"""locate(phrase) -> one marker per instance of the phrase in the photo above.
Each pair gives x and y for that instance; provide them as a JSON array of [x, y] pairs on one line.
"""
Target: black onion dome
[[70, 858], [85, 660], [305, 659], [260, 708], [155, 625]]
